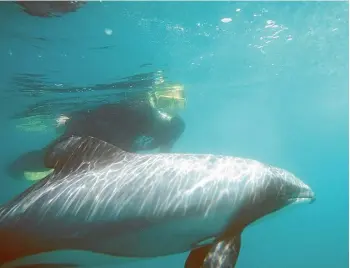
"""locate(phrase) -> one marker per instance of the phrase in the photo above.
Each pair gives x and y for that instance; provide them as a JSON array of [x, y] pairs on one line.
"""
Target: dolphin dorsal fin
[[78, 152]]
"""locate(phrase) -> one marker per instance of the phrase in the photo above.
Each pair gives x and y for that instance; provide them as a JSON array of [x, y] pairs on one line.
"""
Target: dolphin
[[103, 200]]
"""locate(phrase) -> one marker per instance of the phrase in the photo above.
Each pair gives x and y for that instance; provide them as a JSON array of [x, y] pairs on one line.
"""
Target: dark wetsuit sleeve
[[167, 132]]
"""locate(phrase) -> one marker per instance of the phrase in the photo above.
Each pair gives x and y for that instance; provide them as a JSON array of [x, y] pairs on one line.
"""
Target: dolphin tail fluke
[[223, 253]]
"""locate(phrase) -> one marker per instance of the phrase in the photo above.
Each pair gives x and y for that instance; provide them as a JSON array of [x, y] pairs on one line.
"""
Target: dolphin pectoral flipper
[[196, 257], [72, 152], [222, 254]]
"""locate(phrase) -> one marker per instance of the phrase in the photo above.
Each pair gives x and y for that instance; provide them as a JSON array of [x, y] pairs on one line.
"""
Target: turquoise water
[[271, 84]]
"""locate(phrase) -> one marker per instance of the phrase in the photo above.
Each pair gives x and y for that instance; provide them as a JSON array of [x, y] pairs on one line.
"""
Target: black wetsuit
[[130, 126]]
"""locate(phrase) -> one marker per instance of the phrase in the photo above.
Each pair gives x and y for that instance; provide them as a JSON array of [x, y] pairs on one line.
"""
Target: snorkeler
[[134, 125], [49, 8]]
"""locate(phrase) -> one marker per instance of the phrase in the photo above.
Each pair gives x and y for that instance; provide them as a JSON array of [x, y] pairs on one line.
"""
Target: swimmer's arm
[[168, 132]]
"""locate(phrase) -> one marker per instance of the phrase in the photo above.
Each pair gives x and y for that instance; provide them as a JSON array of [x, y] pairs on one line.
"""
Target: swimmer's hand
[[62, 120]]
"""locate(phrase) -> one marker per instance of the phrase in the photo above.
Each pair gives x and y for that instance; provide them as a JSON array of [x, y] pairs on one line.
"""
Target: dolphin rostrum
[[103, 200]]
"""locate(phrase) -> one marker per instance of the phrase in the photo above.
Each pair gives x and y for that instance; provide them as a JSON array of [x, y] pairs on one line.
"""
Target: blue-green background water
[[272, 85]]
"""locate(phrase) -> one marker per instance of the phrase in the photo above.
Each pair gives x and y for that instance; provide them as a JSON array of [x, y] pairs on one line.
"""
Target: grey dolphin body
[[122, 204]]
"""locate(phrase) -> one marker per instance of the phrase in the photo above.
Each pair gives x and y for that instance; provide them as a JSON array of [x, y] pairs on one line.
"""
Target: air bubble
[[226, 20], [108, 31]]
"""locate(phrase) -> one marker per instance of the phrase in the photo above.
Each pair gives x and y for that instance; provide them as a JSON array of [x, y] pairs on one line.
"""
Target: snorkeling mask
[[168, 97]]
